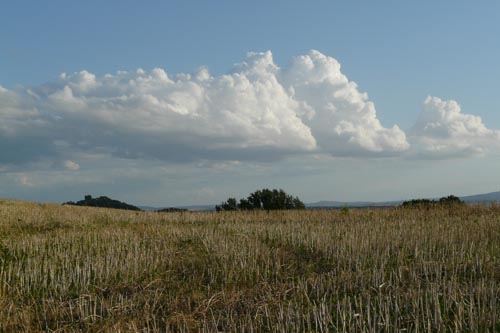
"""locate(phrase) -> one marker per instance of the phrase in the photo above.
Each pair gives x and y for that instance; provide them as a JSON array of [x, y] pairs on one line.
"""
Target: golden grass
[[70, 269]]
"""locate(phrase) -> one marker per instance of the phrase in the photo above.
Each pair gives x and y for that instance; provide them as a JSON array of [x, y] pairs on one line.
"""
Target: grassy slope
[[87, 269]]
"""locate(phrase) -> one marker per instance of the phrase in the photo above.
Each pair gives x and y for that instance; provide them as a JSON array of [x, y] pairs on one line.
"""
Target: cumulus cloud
[[442, 130], [71, 165], [342, 119], [256, 111]]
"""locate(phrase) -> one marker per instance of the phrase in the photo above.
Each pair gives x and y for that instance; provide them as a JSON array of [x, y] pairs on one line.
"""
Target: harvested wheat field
[[73, 269]]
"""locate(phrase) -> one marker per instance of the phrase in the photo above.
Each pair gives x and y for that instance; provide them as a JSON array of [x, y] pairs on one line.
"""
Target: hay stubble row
[[386, 270]]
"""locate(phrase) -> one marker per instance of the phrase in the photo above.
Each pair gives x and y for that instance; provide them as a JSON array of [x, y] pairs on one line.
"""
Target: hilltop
[[103, 202]]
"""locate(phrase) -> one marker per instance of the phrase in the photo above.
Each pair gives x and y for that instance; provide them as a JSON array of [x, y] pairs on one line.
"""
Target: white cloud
[[257, 111], [442, 130], [71, 165], [342, 119], [241, 112]]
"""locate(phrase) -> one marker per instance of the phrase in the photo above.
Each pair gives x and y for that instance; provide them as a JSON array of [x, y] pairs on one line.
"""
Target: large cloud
[[342, 119], [256, 111], [442, 130]]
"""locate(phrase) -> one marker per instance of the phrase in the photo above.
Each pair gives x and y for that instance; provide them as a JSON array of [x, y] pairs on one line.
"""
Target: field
[[70, 269]]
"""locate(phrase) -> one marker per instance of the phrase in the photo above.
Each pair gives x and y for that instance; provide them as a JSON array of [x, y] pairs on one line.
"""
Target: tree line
[[450, 200]]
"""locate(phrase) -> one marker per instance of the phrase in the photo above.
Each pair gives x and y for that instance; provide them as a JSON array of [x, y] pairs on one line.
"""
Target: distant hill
[[103, 202], [171, 210], [478, 198], [196, 208], [482, 198], [340, 204]]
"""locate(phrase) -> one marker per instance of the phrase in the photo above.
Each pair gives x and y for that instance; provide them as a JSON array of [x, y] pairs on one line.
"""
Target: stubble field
[[72, 269]]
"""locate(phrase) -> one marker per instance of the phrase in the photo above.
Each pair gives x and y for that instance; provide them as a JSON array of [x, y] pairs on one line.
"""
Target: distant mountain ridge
[[482, 198], [477, 198], [199, 208], [354, 204]]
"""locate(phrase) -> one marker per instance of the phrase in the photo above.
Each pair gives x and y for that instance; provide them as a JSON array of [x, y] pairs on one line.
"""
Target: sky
[[166, 103]]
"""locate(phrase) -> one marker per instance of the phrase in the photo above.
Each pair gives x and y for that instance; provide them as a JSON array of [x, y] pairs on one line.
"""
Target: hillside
[[482, 198]]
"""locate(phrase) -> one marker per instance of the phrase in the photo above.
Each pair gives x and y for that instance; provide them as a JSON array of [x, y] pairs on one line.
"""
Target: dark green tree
[[264, 199], [451, 200], [245, 205], [230, 204]]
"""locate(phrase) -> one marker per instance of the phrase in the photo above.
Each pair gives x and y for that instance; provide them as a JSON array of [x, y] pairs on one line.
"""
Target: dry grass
[[85, 269]]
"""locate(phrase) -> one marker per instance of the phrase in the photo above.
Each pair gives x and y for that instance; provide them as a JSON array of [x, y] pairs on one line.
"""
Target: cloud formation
[[442, 130], [257, 111], [342, 119], [71, 165]]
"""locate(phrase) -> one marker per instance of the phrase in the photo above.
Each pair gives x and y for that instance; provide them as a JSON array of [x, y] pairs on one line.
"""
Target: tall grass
[[392, 270]]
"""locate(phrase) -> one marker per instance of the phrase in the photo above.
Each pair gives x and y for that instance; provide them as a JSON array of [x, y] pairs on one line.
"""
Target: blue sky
[[398, 53], [394, 50]]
